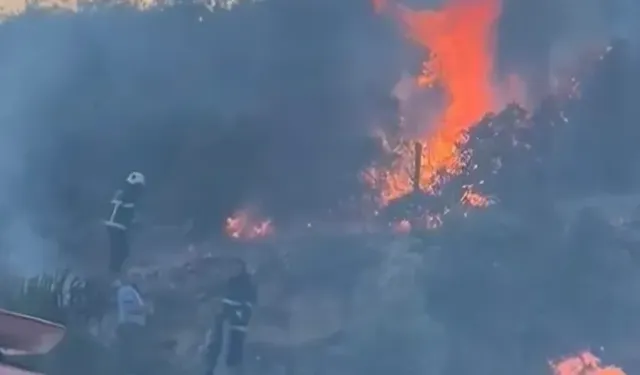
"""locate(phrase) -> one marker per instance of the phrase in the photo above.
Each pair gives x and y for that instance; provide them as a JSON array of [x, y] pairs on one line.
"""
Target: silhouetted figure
[[231, 323], [121, 218]]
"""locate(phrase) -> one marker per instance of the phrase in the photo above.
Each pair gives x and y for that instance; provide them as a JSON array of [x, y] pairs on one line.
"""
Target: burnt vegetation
[[524, 276], [573, 144]]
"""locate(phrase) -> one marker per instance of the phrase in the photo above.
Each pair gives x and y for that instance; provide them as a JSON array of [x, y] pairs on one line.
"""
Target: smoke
[[392, 331], [218, 110], [541, 40], [625, 25], [219, 114], [29, 77], [599, 18]]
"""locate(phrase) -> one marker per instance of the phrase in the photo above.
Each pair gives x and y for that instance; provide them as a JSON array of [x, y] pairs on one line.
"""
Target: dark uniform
[[231, 324], [120, 220]]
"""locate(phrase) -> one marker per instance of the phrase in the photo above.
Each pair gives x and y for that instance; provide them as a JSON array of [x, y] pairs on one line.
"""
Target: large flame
[[460, 40], [584, 364]]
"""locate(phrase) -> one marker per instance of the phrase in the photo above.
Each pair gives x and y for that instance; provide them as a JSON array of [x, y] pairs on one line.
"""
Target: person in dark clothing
[[121, 218], [231, 323]]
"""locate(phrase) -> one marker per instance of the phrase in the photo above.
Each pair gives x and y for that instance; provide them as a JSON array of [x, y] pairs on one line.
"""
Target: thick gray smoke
[[271, 105], [540, 39], [218, 110], [31, 76], [228, 109]]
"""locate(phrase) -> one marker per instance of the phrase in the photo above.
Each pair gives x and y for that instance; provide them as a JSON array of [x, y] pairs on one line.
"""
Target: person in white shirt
[[131, 306], [131, 333]]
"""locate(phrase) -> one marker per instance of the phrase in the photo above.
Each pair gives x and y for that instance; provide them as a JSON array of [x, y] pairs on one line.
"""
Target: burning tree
[[513, 272]]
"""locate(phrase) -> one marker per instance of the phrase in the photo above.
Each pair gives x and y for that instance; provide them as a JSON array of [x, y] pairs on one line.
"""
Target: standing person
[[131, 330], [121, 218], [231, 323]]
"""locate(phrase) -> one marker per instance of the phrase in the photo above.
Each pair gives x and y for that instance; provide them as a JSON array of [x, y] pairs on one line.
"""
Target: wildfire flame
[[243, 225], [459, 38], [584, 364], [471, 198]]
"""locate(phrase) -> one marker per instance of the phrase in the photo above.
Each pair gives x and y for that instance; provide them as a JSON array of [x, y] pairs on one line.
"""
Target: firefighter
[[231, 323], [121, 218]]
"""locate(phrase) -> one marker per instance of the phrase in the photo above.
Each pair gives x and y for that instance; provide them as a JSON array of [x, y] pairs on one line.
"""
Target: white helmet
[[135, 178]]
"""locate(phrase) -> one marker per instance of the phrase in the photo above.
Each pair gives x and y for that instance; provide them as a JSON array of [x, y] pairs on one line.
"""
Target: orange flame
[[583, 364], [474, 199], [459, 38], [243, 226]]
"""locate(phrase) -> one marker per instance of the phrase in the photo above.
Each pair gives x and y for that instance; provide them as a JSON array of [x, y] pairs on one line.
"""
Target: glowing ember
[[471, 198], [243, 226], [433, 221], [584, 364], [563, 80], [459, 38]]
